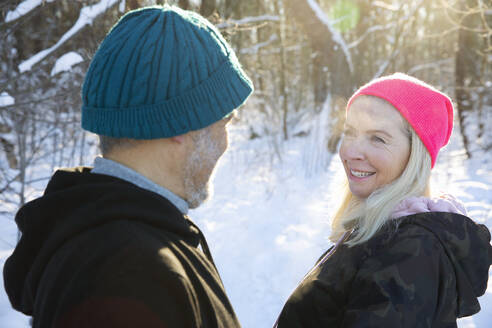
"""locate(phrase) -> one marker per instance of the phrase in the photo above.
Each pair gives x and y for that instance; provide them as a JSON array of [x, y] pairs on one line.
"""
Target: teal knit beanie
[[161, 72]]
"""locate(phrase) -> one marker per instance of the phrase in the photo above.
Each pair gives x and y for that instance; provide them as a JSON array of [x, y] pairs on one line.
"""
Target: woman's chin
[[360, 193]]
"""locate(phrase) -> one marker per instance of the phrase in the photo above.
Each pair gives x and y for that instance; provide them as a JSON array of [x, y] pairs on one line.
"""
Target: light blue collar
[[117, 170]]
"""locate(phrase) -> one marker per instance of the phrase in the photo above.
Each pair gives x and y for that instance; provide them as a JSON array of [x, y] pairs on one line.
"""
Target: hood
[[467, 245], [74, 202]]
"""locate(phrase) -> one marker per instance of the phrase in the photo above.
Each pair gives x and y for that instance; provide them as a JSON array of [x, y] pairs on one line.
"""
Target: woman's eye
[[378, 139]]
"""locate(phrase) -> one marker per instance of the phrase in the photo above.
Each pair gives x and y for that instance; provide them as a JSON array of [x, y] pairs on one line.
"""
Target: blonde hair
[[369, 215]]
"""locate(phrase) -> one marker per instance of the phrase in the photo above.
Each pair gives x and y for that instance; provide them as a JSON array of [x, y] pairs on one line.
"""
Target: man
[[112, 246]]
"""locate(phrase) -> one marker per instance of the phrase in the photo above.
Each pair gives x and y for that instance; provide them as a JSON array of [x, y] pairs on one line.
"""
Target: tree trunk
[[322, 41], [231, 8], [282, 86], [260, 37], [330, 54], [319, 78], [463, 99], [207, 7], [467, 78], [184, 4]]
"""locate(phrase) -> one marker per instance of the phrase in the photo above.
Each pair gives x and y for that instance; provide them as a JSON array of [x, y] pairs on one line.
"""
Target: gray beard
[[204, 157]]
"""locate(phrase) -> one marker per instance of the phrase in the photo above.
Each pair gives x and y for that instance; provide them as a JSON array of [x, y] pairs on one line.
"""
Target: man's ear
[[179, 139]]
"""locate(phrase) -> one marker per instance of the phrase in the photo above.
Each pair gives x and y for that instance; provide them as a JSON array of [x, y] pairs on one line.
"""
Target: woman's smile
[[360, 174]]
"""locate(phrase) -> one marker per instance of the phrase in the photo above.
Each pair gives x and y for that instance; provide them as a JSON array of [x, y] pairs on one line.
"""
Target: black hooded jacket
[[423, 270], [97, 251]]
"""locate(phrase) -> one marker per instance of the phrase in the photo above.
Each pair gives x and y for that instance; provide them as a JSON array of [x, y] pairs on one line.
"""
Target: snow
[[23, 8], [247, 20], [65, 62], [427, 66], [268, 221], [384, 65], [122, 6], [337, 37], [6, 99], [254, 49], [86, 17], [384, 5], [369, 31]]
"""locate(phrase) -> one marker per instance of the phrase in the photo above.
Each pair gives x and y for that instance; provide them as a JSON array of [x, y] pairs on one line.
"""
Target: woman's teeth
[[361, 174]]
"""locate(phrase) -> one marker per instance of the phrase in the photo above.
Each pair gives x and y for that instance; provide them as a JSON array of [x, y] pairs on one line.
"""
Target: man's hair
[[369, 215], [109, 144]]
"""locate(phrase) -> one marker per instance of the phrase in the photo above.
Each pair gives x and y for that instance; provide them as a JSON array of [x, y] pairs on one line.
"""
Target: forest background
[[301, 54], [306, 57]]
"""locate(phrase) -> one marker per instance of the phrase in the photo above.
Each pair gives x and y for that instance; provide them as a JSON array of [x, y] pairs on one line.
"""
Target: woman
[[401, 259]]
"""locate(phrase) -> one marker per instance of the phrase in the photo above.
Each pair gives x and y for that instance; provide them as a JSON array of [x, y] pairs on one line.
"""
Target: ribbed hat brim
[[225, 90]]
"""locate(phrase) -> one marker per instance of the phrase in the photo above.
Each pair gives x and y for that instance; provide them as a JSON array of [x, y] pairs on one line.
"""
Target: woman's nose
[[352, 149]]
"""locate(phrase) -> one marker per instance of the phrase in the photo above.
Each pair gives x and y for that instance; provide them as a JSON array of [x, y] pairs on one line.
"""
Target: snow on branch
[[23, 9], [384, 5], [247, 20], [385, 64], [254, 49], [6, 99], [436, 64], [369, 31], [395, 39], [122, 6], [86, 17], [65, 62], [337, 37]]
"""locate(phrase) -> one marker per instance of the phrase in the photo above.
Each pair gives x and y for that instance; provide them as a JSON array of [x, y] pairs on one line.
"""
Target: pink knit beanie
[[428, 111]]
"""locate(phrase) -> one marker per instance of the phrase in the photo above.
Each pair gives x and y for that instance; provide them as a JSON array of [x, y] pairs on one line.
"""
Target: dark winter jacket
[[425, 273], [97, 251]]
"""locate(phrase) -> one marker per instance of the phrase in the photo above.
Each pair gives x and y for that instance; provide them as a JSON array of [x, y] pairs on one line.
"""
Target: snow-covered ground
[[269, 219]]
